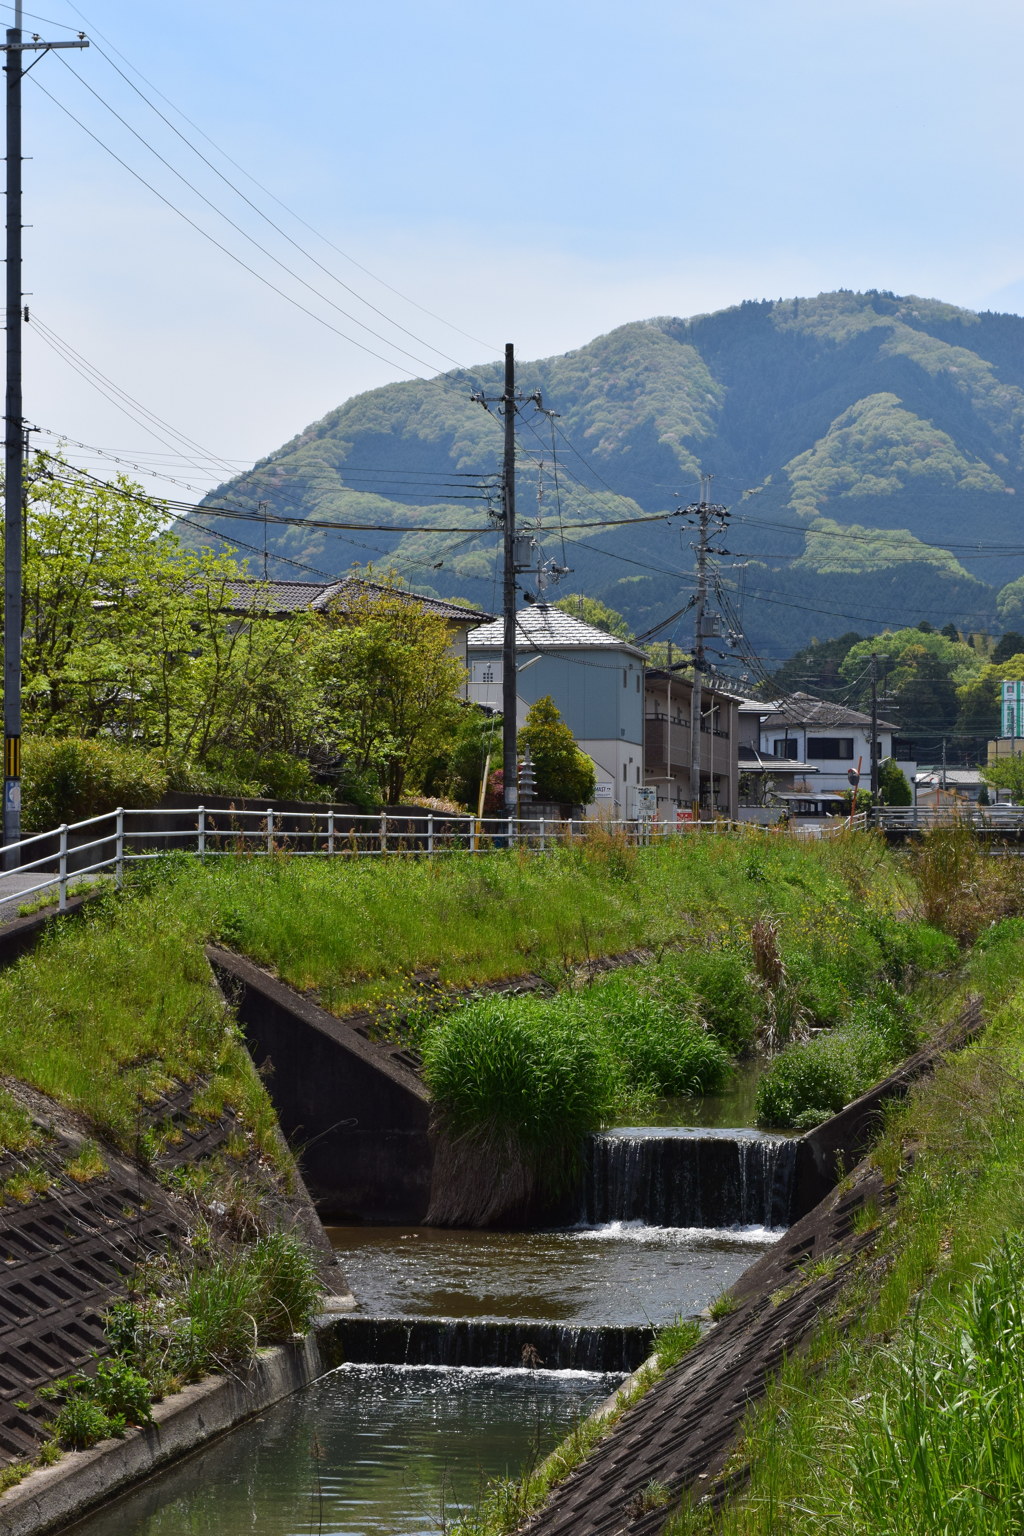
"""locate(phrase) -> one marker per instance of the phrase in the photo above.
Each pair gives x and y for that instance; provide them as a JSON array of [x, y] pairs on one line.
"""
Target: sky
[[455, 176]]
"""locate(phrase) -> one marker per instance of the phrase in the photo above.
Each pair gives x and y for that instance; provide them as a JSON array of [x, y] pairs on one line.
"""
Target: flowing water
[[367, 1451], [447, 1321], [617, 1273]]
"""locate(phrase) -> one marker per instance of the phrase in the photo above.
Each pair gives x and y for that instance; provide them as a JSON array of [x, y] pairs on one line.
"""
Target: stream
[[472, 1353]]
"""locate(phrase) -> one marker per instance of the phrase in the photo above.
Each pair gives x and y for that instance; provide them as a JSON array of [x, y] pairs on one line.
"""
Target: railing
[[923, 817], [108, 844]]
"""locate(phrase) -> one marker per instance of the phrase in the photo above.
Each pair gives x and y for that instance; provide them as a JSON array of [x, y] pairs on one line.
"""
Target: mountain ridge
[[889, 429]]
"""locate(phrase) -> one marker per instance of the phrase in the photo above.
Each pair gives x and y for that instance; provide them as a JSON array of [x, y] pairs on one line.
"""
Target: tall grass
[[114, 1006], [907, 1418]]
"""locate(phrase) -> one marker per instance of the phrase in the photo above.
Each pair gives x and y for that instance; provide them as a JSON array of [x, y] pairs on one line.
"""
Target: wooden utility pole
[[14, 426], [509, 753]]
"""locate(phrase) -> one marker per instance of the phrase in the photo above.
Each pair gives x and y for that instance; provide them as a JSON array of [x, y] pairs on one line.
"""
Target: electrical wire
[[94, 33], [289, 298], [264, 251]]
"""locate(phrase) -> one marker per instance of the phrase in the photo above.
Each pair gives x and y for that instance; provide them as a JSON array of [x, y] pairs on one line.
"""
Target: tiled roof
[[542, 628], [280, 597], [801, 709]]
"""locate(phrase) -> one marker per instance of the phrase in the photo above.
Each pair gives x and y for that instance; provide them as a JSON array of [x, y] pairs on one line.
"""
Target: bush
[[726, 995], [804, 1078], [514, 1068], [73, 779], [656, 1038], [248, 774], [810, 1081]]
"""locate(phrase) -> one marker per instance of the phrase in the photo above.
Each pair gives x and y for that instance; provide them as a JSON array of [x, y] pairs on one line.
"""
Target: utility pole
[[509, 754], [876, 657], [14, 425], [706, 515], [517, 556]]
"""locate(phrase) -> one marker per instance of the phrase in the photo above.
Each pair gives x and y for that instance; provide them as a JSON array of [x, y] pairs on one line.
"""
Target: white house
[[595, 680], [831, 737]]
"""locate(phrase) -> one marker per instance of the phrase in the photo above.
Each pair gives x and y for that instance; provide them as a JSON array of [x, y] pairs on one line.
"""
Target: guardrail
[[121, 838], [992, 818]]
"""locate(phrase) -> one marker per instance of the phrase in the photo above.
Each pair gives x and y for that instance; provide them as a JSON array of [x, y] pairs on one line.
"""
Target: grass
[[113, 1008], [909, 1418], [187, 1319]]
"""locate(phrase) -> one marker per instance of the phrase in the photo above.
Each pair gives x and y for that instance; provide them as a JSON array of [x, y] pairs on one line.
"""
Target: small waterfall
[[674, 1177], [481, 1341]]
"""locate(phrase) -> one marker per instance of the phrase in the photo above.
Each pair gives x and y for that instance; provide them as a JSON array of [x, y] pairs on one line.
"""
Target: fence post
[[383, 831], [270, 829], [119, 846], [202, 830], [330, 830], [430, 832], [543, 837], [63, 867]]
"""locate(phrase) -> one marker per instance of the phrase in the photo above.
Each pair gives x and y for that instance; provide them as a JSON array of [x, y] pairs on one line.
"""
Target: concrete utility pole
[[509, 753], [876, 657], [706, 515], [14, 425]]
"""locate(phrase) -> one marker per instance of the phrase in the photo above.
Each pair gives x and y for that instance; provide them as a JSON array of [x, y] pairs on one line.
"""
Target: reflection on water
[[368, 1451], [623, 1272], [733, 1107]]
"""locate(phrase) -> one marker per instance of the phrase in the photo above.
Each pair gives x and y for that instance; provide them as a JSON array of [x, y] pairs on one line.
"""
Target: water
[[734, 1106], [684, 1177], [381, 1451], [617, 1273]]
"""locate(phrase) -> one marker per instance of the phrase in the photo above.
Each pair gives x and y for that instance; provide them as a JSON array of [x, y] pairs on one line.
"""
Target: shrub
[[72, 779], [656, 1039], [563, 772], [802, 1079], [725, 993], [81, 1422], [514, 1068]]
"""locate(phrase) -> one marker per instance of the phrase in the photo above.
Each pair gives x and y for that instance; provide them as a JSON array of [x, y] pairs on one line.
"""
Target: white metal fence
[[982, 818], [107, 844]]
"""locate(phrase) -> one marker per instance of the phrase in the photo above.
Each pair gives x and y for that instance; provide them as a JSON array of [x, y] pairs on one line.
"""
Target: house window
[[638, 682], [787, 747], [831, 748], [624, 771], [625, 678]]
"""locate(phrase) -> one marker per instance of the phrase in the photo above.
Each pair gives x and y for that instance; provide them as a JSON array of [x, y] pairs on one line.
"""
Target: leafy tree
[[562, 772], [592, 611], [1011, 644], [816, 666], [387, 687], [893, 787], [455, 772], [1007, 773], [950, 631]]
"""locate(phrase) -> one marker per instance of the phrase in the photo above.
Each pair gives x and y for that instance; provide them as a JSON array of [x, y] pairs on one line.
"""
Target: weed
[[723, 1306], [653, 1495], [675, 1340], [87, 1165]]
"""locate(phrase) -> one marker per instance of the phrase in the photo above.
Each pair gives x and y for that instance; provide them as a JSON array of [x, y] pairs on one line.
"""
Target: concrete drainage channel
[[472, 1353]]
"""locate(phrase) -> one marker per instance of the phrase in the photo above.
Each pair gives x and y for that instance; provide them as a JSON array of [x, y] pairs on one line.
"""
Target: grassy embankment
[[905, 1416], [118, 1004]]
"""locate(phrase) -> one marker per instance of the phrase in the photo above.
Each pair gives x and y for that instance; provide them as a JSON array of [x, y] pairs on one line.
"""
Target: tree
[[950, 631], [592, 611], [1012, 644], [387, 687], [1007, 773], [562, 772], [893, 788]]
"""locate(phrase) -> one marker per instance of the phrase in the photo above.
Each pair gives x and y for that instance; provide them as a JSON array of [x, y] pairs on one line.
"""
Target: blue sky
[[539, 175]]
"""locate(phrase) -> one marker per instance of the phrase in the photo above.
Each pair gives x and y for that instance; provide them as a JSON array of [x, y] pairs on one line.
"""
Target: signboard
[[646, 800], [604, 792], [1013, 704], [683, 816]]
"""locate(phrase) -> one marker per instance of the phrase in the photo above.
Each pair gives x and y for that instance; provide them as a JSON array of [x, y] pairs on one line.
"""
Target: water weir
[[682, 1177], [489, 1342]]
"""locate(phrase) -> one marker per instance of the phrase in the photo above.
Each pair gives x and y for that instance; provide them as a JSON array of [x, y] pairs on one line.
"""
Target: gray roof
[[549, 629], [281, 597], [952, 776], [802, 710]]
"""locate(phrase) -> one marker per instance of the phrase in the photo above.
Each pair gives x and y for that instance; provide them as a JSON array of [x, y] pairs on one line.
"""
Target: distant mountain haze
[[869, 446]]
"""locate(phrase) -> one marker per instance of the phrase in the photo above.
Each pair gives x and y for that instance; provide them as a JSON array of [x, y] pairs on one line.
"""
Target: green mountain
[[869, 446]]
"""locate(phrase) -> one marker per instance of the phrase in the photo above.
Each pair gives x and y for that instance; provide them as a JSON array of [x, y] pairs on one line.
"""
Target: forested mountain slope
[[867, 443]]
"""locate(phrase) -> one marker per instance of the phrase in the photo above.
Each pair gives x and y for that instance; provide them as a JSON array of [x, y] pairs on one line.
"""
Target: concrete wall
[[356, 1119], [599, 692]]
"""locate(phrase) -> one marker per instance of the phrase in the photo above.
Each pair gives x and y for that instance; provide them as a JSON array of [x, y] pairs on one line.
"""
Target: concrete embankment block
[[53, 1496], [356, 1118]]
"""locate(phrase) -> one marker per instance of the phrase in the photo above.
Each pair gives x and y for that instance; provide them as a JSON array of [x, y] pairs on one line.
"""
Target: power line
[[239, 229], [273, 197], [259, 276]]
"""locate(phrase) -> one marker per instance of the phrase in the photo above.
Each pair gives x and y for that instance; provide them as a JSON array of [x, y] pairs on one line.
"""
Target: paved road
[[13, 884]]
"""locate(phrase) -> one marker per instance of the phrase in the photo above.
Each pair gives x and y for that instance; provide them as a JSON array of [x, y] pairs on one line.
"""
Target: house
[[280, 599], [764, 778], [934, 787], [832, 737], [596, 681], [668, 701]]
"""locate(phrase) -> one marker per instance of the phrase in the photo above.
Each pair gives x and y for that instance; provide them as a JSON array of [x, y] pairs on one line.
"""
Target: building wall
[[667, 747], [598, 693], [832, 774]]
